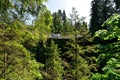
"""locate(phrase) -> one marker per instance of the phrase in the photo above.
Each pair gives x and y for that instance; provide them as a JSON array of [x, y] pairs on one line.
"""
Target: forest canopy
[[36, 44]]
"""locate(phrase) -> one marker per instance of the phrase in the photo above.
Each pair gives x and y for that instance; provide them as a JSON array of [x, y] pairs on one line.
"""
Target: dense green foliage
[[107, 38], [61, 24], [67, 26], [17, 39], [108, 60], [53, 63], [16, 61], [78, 68], [27, 52]]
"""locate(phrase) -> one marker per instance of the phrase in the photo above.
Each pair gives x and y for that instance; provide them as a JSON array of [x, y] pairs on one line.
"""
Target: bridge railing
[[59, 36]]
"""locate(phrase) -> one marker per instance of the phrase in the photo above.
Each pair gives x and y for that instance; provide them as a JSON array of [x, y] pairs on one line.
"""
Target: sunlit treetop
[[113, 30]]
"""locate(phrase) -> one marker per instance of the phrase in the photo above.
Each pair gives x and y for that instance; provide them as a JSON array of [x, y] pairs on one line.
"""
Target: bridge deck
[[64, 36]]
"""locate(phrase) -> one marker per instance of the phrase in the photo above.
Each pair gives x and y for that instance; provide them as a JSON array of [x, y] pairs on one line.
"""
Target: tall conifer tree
[[54, 63], [100, 11]]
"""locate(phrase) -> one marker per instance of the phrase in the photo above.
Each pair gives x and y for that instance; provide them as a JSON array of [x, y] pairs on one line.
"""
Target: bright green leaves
[[113, 29], [112, 21], [112, 71], [108, 59], [102, 34]]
